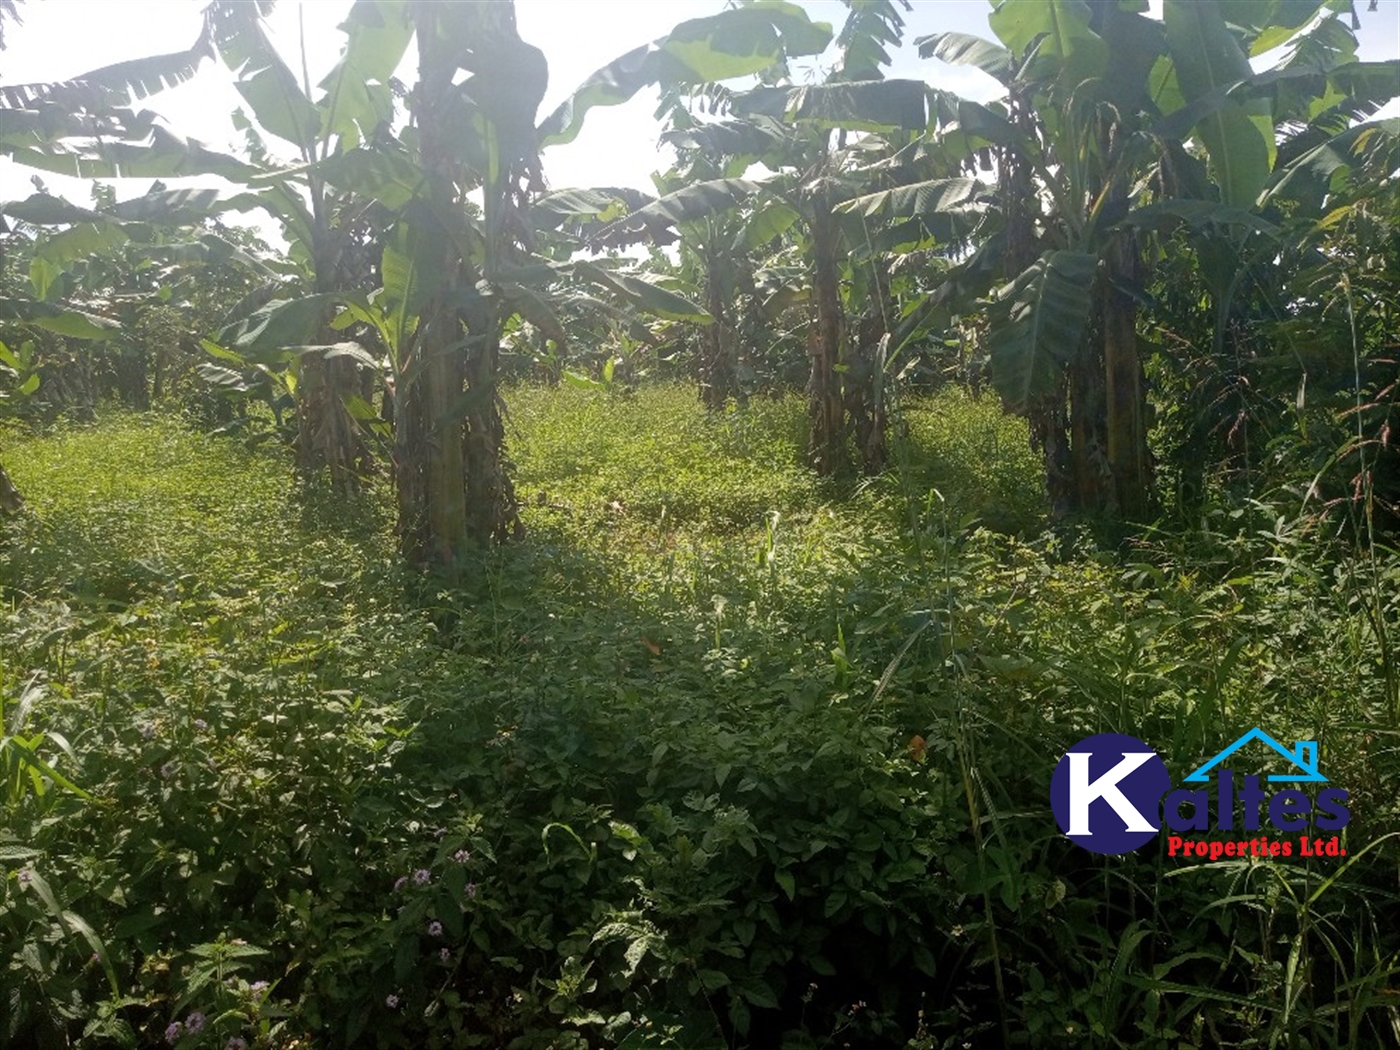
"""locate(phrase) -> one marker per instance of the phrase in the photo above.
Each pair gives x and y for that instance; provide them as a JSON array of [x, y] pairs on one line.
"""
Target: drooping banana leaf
[[965, 49], [1238, 136], [1038, 323], [734, 43], [867, 105]]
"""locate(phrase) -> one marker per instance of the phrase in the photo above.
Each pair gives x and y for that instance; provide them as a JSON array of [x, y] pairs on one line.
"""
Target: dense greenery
[[719, 758], [743, 739]]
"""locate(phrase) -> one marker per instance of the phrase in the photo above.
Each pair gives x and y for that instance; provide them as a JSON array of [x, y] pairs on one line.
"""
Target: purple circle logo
[[1107, 793]]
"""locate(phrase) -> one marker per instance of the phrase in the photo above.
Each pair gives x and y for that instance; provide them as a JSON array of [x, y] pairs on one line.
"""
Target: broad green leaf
[[1239, 137], [389, 176], [264, 80], [57, 319], [168, 207], [114, 84], [870, 30], [155, 153], [99, 949], [697, 201], [868, 105], [42, 209], [79, 242], [612, 85], [753, 137], [979, 122], [44, 276], [643, 294], [788, 883], [1059, 33], [209, 250], [284, 204], [535, 309], [768, 222], [1038, 325], [1322, 169], [742, 41], [1197, 214], [750, 38], [348, 349], [357, 97], [1135, 42], [919, 198], [585, 207], [1270, 23], [964, 49], [217, 375], [411, 268], [283, 323]]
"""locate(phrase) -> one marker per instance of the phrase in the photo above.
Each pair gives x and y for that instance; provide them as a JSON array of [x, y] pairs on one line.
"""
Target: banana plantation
[[924, 575]]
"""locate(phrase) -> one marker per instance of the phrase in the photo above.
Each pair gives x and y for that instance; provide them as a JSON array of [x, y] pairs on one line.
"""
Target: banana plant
[[808, 136], [1117, 127], [451, 280]]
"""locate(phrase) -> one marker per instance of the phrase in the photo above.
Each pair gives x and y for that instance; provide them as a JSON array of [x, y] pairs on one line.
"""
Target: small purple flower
[[258, 988], [148, 731], [194, 1023], [168, 770], [236, 1042], [462, 856], [471, 890], [422, 876], [173, 1033], [400, 883], [445, 955], [25, 875], [391, 1001], [434, 929], [201, 724]]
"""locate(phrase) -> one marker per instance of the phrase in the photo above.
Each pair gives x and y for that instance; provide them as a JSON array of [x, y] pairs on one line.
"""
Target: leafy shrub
[[979, 457]]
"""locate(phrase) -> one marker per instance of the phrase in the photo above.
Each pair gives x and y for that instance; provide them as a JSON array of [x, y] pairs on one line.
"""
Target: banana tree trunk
[[11, 502], [1126, 397], [492, 511], [717, 365], [328, 438], [1091, 477], [431, 436], [825, 407], [454, 488], [864, 380]]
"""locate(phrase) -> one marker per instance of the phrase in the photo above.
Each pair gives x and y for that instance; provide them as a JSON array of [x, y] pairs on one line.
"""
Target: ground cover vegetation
[[455, 630]]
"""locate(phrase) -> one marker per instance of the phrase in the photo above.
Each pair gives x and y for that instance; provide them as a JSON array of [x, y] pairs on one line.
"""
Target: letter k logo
[[1082, 792], [1107, 808]]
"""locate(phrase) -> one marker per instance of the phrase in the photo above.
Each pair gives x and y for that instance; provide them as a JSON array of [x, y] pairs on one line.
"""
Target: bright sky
[[62, 38]]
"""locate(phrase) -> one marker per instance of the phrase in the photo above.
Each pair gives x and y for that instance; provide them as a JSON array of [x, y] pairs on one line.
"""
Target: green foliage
[[650, 459], [978, 458], [761, 771]]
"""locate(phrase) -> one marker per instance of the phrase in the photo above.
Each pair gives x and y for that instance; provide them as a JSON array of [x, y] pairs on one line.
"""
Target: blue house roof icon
[[1303, 755]]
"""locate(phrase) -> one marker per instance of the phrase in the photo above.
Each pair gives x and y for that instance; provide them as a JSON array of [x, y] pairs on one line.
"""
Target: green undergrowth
[[651, 458], [720, 757]]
